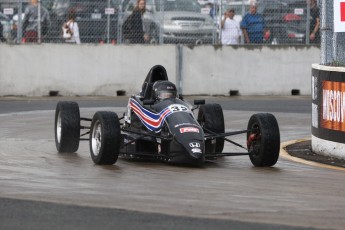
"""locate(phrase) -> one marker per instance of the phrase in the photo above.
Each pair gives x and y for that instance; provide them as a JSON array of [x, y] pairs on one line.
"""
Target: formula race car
[[159, 124]]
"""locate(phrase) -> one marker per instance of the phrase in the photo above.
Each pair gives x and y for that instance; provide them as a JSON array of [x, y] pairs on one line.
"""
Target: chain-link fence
[[97, 21], [164, 21], [332, 43]]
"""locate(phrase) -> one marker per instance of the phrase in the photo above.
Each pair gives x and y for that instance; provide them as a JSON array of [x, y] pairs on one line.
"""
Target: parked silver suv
[[175, 21]]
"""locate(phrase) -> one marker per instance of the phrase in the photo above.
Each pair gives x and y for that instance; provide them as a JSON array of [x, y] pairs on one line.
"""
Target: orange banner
[[333, 105]]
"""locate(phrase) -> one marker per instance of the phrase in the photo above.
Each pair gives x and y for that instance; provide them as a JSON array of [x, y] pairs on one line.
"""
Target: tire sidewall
[[70, 126]]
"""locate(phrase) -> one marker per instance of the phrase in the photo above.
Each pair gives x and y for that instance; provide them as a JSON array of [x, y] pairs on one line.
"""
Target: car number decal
[[178, 108]]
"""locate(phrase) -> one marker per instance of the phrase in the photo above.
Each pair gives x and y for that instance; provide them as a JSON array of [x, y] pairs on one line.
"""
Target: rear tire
[[67, 126], [211, 118], [263, 140], [105, 138]]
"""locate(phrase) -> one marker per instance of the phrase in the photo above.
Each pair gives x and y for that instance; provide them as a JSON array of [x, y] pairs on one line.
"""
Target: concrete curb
[[286, 155]]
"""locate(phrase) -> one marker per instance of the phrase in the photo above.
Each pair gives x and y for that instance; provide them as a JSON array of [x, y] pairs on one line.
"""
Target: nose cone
[[187, 151], [193, 150]]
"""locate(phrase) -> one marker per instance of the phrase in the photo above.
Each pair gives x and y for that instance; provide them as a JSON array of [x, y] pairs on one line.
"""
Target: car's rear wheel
[[211, 119], [67, 126], [105, 138], [263, 140]]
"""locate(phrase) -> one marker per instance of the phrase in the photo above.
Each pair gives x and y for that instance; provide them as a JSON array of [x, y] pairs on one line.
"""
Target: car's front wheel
[[263, 140], [67, 126], [105, 138]]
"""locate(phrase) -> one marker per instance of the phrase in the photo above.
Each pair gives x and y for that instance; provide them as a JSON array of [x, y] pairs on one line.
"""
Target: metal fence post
[[39, 29], [323, 25], [108, 24], [307, 29], [19, 23], [161, 27], [179, 68]]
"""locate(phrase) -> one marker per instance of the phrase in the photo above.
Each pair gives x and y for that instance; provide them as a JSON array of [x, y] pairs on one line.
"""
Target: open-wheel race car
[[158, 124]]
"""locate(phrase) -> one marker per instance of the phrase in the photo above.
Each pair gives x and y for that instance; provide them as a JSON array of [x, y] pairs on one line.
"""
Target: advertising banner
[[328, 105], [339, 15]]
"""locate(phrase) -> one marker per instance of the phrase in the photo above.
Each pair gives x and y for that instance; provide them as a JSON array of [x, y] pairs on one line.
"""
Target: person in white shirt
[[72, 25], [231, 32]]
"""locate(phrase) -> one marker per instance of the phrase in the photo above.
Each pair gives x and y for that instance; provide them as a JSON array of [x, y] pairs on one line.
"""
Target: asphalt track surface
[[42, 189]]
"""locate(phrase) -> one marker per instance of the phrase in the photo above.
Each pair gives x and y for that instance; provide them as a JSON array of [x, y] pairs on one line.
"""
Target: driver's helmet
[[163, 89]]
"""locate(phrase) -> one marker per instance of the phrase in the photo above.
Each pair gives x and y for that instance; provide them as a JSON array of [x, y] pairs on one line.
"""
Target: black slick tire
[[263, 140], [67, 126], [211, 118], [105, 138]]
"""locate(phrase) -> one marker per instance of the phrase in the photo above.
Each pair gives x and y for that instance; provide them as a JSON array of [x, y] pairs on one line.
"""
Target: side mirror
[[199, 102], [148, 102]]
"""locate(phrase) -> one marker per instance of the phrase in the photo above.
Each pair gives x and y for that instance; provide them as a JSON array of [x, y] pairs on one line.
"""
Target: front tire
[[211, 118], [263, 140], [67, 126], [105, 138]]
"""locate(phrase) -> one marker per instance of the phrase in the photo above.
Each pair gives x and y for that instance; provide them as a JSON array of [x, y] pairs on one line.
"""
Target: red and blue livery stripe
[[152, 121]]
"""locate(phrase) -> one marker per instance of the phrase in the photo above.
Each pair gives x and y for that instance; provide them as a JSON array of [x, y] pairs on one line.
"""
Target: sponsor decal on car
[[196, 150], [194, 145], [189, 130]]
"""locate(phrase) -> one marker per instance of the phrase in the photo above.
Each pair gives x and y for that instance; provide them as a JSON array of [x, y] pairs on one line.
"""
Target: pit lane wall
[[34, 70], [328, 110]]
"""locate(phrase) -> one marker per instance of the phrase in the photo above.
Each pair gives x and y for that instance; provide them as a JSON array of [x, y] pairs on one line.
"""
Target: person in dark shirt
[[30, 21], [314, 20], [134, 31], [253, 26]]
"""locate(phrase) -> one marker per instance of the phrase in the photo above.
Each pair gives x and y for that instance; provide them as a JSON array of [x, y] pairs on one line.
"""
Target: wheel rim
[[254, 147], [96, 138], [58, 127]]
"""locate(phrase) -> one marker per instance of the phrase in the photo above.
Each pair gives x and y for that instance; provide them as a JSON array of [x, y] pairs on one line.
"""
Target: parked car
[[286, 19], [90, 16], [178, 21]]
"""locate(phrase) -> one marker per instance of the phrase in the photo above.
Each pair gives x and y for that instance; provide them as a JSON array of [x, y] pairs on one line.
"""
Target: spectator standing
[[73, 28], [231, 32], [314, 20], [253, 25], [134, 30], [30, 21]]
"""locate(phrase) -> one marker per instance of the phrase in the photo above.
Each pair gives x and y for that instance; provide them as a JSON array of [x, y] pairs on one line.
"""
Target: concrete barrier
[[34, 70], [328, 110]]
